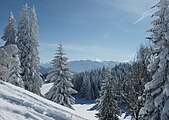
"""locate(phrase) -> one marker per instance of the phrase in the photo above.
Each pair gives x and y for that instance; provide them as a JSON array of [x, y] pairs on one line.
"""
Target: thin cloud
[[141, 8], [81, 48], [93, 52], [144, 15], [132, 6]]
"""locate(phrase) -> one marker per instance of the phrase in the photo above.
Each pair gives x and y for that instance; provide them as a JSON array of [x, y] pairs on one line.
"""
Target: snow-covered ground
[[45, 88], [19, 104], [82, 107]]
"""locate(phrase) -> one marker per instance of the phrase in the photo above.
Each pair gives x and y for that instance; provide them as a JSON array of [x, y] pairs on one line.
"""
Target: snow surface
[[19, 104], [45, 88], [83, 107]]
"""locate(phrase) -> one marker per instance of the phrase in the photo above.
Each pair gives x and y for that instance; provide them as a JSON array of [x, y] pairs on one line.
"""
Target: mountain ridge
[[78, 66]]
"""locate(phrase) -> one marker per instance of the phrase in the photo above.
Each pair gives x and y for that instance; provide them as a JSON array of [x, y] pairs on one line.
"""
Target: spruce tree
[[5, 59], [9, 31], [27, 45], [138, 76], [107, 106], [62, 89], [34, 39], [14, 66], [157, 90], [86, 88], [35, 53]]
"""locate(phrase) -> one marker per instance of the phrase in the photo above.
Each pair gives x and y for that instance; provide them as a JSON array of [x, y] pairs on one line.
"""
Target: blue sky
[[88, 29]]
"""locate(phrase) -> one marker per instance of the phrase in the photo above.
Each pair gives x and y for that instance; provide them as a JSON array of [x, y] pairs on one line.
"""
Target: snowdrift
[[19, 104]]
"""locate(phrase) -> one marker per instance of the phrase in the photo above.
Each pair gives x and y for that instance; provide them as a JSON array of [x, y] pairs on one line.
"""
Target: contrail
[[144, 15]]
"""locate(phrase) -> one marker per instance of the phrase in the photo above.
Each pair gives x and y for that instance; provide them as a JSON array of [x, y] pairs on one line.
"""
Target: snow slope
[[19, 104], [45, 88], [83, 107]]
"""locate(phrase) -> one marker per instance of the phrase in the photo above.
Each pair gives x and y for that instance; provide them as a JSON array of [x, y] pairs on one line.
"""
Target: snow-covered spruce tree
[[95, 82], [27, 45], [5, 59], [143, 59], [34, 39], [35, 53], [121, 77], [62, 89], [107, 106], [138, 76], [77, 81], [9, 31], [86, 88], [14, 66], [88, 83], [156, 105]]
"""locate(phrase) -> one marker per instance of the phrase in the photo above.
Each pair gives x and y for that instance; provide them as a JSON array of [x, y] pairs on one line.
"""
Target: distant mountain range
[[81, 65]]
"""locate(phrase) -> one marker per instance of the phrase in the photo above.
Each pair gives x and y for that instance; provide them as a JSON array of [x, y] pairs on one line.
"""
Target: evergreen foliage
[[108, 106], [27, 44], [62, 89], [9, 31], [14, 66], [157, 90], [137, 78], [88, 83]]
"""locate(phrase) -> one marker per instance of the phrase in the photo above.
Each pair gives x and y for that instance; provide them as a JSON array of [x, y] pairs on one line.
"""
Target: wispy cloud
[[139, 8], [132, 6], [93, 52], [82, 48], [144, 15]]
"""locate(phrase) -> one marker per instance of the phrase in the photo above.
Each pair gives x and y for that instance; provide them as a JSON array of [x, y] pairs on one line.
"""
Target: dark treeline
[[128, 81]]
